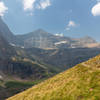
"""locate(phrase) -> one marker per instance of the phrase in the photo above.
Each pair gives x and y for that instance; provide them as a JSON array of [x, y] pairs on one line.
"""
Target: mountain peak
[[40, 31], [88, 37]]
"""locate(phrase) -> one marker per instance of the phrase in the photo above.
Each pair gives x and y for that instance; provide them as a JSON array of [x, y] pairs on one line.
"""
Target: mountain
[[17, 71], [87, 41], [62, 58], [23, 67], [23, 62], [6, 33], [5, 49], [13, 64], [81, 82], [38, 39], [45, 40]]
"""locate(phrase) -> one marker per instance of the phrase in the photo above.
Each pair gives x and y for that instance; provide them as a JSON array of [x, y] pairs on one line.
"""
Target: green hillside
[[81, 82]]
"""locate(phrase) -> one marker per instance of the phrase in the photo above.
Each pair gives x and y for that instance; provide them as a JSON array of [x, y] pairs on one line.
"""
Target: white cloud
[[44, 4], [31, 5], [3, 8], [28, 4], [96, 9], [70, 25]]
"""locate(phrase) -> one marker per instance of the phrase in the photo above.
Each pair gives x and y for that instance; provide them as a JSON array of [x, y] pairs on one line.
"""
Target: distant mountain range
[[18, 71], [26, 59], [81, 82], [45, 40]]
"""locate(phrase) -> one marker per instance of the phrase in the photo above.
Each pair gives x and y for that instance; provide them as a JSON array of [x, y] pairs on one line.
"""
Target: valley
[[29, 59], [49, 49], [78, 83]]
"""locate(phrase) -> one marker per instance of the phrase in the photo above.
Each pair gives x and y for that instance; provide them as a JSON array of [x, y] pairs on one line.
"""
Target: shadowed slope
[[5, 49], [6, 33]]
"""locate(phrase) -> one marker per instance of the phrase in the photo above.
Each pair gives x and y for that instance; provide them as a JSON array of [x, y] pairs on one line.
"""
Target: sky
[[74, 18]]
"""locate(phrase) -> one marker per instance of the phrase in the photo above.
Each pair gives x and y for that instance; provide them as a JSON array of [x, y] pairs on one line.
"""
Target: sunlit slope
[[81, 82]]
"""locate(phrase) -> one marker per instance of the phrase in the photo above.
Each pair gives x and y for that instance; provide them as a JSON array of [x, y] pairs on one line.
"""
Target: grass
[[16, 84], [14, 87], [10, 88], [81, 82]]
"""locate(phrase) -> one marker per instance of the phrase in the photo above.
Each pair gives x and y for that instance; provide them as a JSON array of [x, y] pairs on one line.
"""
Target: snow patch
[[12, 44], [61, 42], [22, 47], [1, 77], [60, 35]]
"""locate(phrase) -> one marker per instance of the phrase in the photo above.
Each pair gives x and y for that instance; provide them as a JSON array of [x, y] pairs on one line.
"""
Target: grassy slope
[[81, 82]]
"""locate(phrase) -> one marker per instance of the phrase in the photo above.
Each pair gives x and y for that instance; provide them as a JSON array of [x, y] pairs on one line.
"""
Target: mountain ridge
[[45, 40], [42, 39], [6, 32]]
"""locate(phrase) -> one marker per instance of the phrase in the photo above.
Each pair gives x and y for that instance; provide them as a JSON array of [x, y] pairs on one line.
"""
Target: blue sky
[[75, 18]]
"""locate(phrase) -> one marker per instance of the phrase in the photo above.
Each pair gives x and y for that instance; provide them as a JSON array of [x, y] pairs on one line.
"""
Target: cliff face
[[23, 70]]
